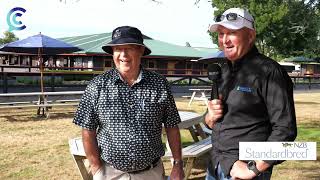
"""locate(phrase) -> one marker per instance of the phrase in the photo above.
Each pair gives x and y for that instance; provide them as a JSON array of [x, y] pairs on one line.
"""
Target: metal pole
[[41, 74], [41, 101], [52, 82], [5, 82]]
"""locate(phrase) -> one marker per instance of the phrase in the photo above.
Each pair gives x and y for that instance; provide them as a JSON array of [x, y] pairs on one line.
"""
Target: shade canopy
[[33, 44]]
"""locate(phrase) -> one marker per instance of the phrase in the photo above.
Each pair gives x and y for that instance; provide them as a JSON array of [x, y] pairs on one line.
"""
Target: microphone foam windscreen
[[214, 72]]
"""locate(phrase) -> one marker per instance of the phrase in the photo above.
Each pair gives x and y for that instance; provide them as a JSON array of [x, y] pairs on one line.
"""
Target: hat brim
[[226, 24], [229, 25], [124, 41]]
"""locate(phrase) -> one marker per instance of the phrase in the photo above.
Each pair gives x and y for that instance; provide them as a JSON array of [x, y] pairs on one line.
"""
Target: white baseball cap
[[233, 18]]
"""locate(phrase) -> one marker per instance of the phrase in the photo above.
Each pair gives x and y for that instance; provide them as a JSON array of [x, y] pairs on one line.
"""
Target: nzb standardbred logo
[[12, 19]]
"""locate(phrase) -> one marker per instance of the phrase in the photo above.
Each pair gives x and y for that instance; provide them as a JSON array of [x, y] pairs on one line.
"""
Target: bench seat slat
[[38, 105], [195, 149], [68, 100], [76, 147], [13, 103]]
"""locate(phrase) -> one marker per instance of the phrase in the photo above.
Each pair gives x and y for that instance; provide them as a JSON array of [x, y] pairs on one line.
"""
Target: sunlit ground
[[36, 148]]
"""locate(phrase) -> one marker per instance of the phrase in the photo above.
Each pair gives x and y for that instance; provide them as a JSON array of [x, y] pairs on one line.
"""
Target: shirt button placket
[[131, 115], [131, 111]]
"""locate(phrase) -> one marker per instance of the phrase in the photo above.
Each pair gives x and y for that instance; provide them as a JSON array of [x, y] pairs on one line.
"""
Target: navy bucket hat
[[126, 35]]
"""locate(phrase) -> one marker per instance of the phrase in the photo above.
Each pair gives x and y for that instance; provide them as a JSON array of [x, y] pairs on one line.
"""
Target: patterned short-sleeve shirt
[[128, 120]]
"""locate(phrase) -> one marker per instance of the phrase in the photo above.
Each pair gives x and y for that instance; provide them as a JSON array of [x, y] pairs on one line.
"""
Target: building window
[[25, 60], [14, 60], [78, 62]]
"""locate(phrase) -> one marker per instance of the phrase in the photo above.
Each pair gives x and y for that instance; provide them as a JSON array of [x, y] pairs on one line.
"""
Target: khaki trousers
[[109, 173]]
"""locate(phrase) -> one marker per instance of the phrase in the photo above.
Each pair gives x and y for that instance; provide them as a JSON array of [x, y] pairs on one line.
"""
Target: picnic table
[[192, 121], [40, 100], [199, 94], [189, 120]]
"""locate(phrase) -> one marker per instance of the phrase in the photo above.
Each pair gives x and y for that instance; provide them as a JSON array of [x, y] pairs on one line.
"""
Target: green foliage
[[284, 27], [8, 37], [186, 82], [24, 80], [309, 134], [183, 82], [297, 32], [194, 81]]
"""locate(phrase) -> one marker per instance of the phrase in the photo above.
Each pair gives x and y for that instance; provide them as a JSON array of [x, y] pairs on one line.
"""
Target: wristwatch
[[252, 166]]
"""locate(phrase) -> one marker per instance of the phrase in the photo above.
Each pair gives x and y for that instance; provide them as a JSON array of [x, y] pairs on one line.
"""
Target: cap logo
[[117, 33]]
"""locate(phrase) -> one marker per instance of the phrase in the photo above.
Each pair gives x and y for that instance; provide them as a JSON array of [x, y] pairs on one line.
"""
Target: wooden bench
[[41, 107], [189, 120], [43, 101], [188, 97], [79, 157], [13, 104], [37, 105], [191, 152]]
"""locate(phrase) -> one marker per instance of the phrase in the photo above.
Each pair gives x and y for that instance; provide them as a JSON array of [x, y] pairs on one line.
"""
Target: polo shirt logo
[[244, 89]]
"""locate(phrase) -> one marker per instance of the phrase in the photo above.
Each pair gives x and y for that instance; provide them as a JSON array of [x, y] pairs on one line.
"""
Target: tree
[[8, 37], [296, 34], [284, 27]]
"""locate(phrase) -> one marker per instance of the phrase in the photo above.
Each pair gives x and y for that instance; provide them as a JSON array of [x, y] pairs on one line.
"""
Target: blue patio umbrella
[[213, 57], [44, 44], [39, 44]]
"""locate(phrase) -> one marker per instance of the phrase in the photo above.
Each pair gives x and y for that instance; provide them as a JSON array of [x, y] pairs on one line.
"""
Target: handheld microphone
[[214, 74]]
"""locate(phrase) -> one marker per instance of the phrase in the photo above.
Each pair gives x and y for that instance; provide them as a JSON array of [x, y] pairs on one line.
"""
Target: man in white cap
[[255, 102], [122, 113]]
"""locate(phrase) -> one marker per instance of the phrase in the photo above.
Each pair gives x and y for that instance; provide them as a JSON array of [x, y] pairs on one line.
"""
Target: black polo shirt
[[258, 106]]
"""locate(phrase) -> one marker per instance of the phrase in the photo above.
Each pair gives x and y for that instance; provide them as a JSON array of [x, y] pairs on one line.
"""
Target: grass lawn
[[33, 148]]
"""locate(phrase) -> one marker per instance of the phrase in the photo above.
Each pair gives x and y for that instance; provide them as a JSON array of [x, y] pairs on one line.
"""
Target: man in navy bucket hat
[[122, 113]]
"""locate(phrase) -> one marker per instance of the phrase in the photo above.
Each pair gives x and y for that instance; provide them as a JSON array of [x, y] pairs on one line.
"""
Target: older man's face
[[127, 58], [235, 43]]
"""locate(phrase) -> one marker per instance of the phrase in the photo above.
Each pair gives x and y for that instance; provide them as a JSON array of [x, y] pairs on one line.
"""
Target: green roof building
[[167, 59]]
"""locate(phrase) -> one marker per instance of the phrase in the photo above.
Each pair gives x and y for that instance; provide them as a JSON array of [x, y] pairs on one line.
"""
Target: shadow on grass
[[189, 110], [305, 103], [199, 169], [28, 117], [311, 124]]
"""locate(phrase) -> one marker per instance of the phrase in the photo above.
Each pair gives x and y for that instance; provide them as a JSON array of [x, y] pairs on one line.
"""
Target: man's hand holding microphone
[[215, 112], [215, 106]]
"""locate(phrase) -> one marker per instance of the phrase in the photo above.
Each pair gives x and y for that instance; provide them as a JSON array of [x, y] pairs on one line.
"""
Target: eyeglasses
[[230, 17]]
